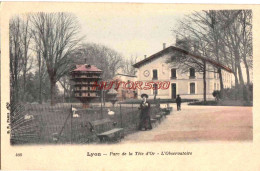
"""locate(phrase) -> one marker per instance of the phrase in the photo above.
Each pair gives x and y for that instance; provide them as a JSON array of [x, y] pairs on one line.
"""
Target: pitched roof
[[87, 68], [173, 48], [127, 75]]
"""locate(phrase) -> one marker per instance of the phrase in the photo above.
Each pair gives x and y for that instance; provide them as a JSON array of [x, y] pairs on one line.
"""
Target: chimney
[[164, 45], [144, 56]]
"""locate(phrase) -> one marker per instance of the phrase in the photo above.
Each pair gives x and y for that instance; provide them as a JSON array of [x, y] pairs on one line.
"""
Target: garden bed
[[223, 103]]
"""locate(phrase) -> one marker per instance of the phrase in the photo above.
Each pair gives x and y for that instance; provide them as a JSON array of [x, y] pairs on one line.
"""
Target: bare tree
[[115, 60], [239, 41], [103, 57], [66, 85], [245, 19], [57, 38], [228, 34], [15, 57], [205, 27], [128, 65], [183, 60], [26, 59]]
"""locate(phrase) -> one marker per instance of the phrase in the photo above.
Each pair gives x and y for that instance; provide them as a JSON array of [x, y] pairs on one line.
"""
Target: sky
[[131, 33]]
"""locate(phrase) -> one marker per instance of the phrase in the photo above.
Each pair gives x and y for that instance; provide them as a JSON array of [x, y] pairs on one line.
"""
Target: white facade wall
[[182, 81]]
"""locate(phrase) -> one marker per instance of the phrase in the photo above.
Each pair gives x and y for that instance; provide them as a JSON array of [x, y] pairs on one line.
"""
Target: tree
[[20, 59], [205, 28], [57, 38], [128, 66], [66, 85], [239, 41], [225, 36], [106, 59], [15, 57], [184, 61], [26, 59], [238, 38]]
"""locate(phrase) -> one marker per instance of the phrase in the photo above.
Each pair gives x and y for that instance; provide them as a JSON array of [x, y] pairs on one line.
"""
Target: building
[[188, 84], [124, 93], [84, 77]]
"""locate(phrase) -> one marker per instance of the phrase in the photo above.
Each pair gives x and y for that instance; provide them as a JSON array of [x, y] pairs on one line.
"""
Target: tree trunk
[[16, 89], [247, 71], [64, 95], [241, 80], [40, 76], [52, 92], [221, 82], [237, 58], [204, 82], [40, 87], [24, 84], [235, 74]]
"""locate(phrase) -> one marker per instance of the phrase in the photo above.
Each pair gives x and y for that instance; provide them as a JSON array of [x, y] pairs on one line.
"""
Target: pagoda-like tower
[[84, 77]]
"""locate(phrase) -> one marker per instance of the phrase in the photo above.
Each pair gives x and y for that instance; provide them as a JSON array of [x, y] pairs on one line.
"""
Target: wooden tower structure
[[85, 77]]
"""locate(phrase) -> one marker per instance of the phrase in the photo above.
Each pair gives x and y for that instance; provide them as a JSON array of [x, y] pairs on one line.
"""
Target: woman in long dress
[[145, 119]]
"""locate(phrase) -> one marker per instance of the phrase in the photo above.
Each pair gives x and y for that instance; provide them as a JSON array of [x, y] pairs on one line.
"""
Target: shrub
[[216, 94], [244, 93]]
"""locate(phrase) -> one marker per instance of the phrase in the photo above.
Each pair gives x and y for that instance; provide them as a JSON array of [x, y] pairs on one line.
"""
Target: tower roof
[[86, 68]]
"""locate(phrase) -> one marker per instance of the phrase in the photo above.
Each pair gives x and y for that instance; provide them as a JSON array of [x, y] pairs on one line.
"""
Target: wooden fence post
[[71, 124], [121, 119]]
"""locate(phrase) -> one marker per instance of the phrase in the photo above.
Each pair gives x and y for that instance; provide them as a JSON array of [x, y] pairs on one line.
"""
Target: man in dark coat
[[145, 119], [178, 101]]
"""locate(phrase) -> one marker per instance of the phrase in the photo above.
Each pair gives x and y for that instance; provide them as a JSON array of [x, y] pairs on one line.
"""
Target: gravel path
[[201, 123]]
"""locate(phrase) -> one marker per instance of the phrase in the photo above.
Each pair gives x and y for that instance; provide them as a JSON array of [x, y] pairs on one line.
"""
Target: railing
[[83, 76], [56, 124], [84, 83], [86, 95], [89, 90]]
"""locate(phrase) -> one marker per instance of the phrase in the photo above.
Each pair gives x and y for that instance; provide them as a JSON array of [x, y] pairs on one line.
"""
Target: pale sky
[[130, 32]]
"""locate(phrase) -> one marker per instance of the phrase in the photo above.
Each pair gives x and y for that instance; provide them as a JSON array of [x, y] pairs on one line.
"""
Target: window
[[155, 89], [173, 73], [155, 77], [192, 72], [215, 87], [128, 84], [192, 88]]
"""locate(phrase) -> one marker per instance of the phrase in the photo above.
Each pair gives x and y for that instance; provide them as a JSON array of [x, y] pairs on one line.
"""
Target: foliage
[[222, 35], [236, 93], [106, 59], [244, 93], [44, 47], [216, 94]]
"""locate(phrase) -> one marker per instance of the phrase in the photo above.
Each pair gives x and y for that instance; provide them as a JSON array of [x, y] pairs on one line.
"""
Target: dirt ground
[[201, 123]]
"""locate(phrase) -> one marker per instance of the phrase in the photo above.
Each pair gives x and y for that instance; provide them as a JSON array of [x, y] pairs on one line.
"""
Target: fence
[[41, 124]]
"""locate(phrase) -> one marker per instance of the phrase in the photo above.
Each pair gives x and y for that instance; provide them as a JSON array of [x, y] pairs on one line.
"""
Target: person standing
[[145, 119], [178, 101]]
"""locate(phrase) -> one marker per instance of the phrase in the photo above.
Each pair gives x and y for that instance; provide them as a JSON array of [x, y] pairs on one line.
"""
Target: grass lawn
[[223, 103], [51, 121]]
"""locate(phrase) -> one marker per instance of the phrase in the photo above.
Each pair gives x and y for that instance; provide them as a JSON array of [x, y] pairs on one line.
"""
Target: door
[[173, 91]]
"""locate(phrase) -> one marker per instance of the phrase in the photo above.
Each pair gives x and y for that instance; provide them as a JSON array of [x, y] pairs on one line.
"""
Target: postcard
[[129, 86]]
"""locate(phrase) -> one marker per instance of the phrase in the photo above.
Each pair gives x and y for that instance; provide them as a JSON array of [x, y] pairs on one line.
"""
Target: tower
[[85, 77]]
